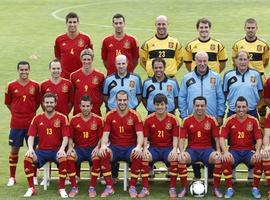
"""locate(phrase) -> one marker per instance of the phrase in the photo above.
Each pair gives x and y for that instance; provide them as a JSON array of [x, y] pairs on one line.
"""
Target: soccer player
[[22, 99], [68, 46], [242, 81], [199, 129], [122, 80], [160, 83], [59, 86], [119, 43], [86, 131], [161, 46], [161, 130], [216, 51], [52, 130], [123, 132], [243, 130], [87, 81]]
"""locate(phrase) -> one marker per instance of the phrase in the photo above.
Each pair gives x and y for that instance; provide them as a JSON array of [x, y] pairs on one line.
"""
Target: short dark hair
[[199, 98], [86, 98], [72, 15], [241, 99], [250, 21], [54, 61], [48, 95], [23, 62], [122, 92], [203, 21], [158, 60], [117, 16], [159, 98]]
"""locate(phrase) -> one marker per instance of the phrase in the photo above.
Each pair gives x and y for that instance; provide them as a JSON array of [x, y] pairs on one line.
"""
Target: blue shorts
[[160, 154], [121, 153], [242, 156], [200, 155], [44, 156], [83, 154], [16, 137]]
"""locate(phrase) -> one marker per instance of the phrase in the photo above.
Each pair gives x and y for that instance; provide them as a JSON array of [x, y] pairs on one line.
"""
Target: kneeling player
[[161, 130], [52, 131], [199, 129], [86, 130], [243, 130]]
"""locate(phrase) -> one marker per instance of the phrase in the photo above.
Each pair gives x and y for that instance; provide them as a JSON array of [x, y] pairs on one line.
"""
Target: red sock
[[62, 171], [105, 163], [13, 160], [266, 169], [71, 170], [173, 173], [227, 171], [94, 171], [29, 171], [182, 170], [257, 172], [145, 173], [135, 170], [217, 174]]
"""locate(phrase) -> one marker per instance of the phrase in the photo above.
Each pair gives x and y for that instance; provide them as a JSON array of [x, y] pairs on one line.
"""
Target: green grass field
[[30, 27]]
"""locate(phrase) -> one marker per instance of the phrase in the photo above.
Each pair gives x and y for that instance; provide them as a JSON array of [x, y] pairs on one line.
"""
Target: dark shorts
[[44, 156], [83, 154], [242, 156], [16, 137], [160, 154], [121, 153], [200, 155]]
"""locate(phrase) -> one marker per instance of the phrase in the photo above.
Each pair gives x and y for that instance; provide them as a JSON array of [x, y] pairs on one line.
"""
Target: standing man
[[61, 87], [87, 81], [216, 51], [122, 140], [122, 80], [161, 46], [22, 99], [160, 83], [86, 131], [52, 130], [68, 46], [119, 43]]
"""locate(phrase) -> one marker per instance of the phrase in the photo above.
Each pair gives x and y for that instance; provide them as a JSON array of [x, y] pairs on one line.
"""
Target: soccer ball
[[197, 189]]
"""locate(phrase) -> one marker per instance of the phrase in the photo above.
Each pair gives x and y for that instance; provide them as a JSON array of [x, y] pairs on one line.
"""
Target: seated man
[[242, 129], [123, 130], [86, 131], [52, 130], [199, 129], [161, 130]]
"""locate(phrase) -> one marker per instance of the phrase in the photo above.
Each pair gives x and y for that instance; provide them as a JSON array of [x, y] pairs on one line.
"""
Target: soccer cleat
[[107, 192], [229, 193], [63, 193], [30, 192], [11, 181], [73, 192], [172, 193], [144, 192], [35, 181], [132, 192], [256, 193], [217, 193], [182, 193], [92, 192]]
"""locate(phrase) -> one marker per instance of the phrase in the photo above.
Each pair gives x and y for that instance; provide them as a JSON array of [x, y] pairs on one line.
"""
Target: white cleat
[[35, 181], [63, 193], [30, 192], [11, 181]]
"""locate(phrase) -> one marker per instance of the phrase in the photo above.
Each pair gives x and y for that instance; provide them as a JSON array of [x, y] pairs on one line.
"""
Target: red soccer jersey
[[64, 93], [50, 131], [199, 133], [87, 85], [123, 130], [23, 101], [111, 47], [267, 121], [68, 51], [161, 132], [242, 134], [86, 133], [266, 89]]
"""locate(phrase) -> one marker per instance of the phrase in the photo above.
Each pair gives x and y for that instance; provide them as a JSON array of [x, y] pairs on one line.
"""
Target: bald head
[[161, 26], [161, 18], [121, 64], [201, 54], [121, 57]]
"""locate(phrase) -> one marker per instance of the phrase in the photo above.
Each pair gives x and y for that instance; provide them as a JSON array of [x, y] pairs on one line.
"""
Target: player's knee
[[14, 150], [62, 159]]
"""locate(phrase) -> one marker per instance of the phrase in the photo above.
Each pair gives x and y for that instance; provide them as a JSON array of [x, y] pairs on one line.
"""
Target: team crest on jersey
[[95, 80], [212, 82], [127, 44], [253, 80], [259, 47], [94, 126], [130, 121], [170, 45], [81, 43], [249, 126], [212, 47], [64, 88], [56, 123], [169, 88], [132, 84], [32, 90], [207, 126], [168, 125]]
